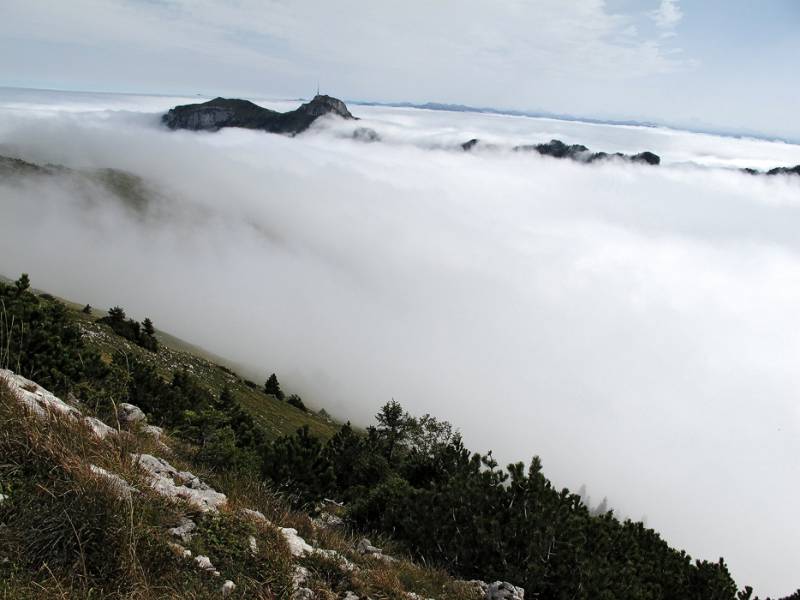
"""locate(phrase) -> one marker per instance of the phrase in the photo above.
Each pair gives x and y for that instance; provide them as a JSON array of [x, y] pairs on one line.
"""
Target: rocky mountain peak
[[322, 105]]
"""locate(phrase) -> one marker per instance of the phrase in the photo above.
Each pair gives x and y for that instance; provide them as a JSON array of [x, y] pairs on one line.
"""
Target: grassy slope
[[67, 533], [276, 417]]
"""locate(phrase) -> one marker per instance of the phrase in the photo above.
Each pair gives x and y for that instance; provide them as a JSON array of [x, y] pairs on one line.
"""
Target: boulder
[[180, 550], [344, 563], [227, 588], [128, 414], [327, 520], [254, 515], [502, 590], [117, 483], [184, 529], [98, 428], [479, 587], [297, 545], [300, 577], [153, 431], [364, 546], [37, 399], [204, 563], [168, 481]]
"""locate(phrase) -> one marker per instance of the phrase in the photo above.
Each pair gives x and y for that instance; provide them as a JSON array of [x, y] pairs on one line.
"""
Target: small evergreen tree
[[147, 339], [273, 388], [147, 327], [87, 310], [116, 315], [296, 401], [22, 284]]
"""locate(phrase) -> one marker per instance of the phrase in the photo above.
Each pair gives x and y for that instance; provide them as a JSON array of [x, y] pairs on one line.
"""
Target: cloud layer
[[634, 326]]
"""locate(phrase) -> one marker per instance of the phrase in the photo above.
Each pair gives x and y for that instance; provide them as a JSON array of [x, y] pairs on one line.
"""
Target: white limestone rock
[[327, 520], [502, 590], [252, 544], [117, 483], [98, 428], [364, 546], [303, 594], [227, 588], [154, 431], [128, 414], [334, 555], [184, 529], [300, 577], [255, 515], [180, 550], [297, 545], [36, 398], [204, 563], [168, 481], [477, 585]]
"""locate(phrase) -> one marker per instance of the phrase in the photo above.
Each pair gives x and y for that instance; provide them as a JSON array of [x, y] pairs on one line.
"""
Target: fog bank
[[634, 326]]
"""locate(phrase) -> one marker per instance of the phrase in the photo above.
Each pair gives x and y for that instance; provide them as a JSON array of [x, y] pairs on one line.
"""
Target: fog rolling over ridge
[[636, 327]]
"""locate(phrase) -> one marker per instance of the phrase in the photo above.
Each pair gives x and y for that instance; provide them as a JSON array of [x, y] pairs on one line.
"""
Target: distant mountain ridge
[[443, 106], [230, 112]]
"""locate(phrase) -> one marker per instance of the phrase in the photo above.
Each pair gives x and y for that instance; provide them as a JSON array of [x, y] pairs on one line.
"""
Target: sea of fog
[[637, 327]]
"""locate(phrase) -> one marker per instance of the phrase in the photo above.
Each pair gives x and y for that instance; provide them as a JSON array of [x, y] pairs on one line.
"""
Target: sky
[[726, 65], [634, 326]]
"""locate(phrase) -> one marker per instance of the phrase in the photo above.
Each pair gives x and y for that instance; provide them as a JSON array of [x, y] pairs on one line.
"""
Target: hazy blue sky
[[709, 63]]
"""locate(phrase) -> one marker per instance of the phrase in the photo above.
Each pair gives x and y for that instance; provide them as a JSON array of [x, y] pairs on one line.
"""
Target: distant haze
[[710, 64], [637, 327]]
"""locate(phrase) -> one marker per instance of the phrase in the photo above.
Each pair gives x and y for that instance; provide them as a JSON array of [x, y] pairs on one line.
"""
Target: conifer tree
[[22, 284], [273, 388], [147, 327]]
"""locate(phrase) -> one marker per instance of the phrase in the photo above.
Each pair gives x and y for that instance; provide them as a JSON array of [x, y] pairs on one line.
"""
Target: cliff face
[[223, 112]]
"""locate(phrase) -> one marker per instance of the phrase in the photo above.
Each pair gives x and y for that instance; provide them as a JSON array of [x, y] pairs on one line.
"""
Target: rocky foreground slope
[[108, 500]]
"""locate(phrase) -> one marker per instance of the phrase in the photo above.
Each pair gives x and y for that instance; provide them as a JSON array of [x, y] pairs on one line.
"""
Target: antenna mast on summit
[[318, 87]]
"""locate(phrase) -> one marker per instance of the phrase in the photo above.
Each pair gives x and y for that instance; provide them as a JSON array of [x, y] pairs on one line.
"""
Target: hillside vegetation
[[71, 530]]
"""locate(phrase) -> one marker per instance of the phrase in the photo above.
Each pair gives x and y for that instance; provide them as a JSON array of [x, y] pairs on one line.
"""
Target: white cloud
[[668, 15], [371, 50], [634, 326]]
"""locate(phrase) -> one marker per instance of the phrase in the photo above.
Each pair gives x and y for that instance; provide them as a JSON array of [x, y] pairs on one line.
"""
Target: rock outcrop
[[129, 415], [168, 481], [37, 399], [297, 545], [364, 546], [117, 483], [228, 112], [366, 134], [502, 590], [579, 152], [785, 171], [469, 145]]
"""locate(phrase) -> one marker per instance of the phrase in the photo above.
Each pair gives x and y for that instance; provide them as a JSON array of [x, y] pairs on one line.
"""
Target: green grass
[[274, 416]]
